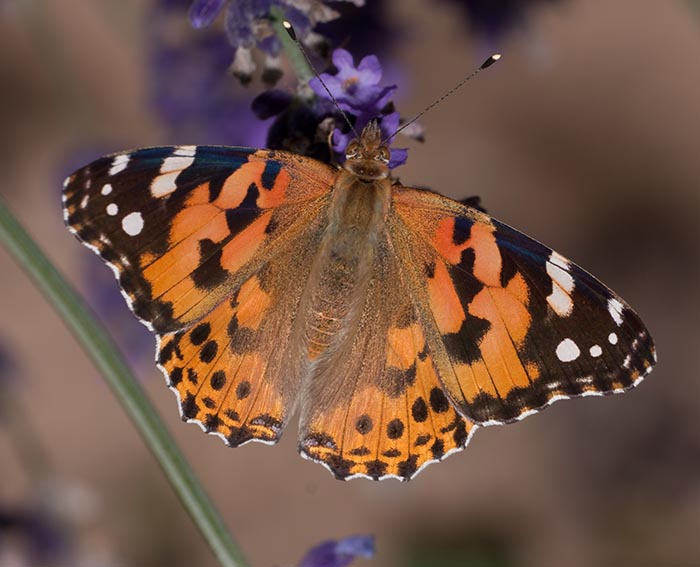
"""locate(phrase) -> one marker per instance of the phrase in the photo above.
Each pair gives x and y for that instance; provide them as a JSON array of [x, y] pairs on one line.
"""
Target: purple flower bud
[[204, 12], [339, 553]]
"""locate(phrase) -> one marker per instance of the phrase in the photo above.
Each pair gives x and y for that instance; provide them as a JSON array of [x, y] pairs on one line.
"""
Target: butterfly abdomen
[[337, 286]]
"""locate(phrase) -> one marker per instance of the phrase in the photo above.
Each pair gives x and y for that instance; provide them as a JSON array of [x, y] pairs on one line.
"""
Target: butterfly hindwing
[[182, 226], [515, 325], [379, 410], [232, 369]]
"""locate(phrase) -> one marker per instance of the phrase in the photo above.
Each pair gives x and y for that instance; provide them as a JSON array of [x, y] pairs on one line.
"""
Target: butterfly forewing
[[184, 226], [514, 325]]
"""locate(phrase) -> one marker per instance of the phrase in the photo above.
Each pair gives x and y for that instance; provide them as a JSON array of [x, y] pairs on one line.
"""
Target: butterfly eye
[[351, 151], [383, 155]]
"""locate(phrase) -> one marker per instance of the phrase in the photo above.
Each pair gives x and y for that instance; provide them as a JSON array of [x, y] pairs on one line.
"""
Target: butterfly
[[394, 320]]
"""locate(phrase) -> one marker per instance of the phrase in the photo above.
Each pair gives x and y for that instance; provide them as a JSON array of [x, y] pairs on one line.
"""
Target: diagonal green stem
[[296, 58], [106, 357]]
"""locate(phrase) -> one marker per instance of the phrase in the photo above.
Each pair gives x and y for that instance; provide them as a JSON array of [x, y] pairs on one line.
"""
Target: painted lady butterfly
[[397, 321]]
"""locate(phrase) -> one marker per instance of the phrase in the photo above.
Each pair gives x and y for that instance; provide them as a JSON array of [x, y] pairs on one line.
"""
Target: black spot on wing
[[376, 469], [243, 390], [190, 409], [200, 333], [463, 346], [270, 173], [408, 467], [438, 449], [360, 452], [419, 410], [209, 273], [218, 380], [208, 352], [395, 429], [339, 466], [364, 424], [175, 376], [462, 230], [238, 218], [438, 401], [212, 422]]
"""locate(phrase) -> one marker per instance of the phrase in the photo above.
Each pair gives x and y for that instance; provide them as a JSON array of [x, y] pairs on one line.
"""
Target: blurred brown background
[[586, 136]]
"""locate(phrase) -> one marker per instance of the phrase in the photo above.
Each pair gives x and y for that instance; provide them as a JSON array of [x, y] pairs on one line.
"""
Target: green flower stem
[[129, 392], [296, 57]]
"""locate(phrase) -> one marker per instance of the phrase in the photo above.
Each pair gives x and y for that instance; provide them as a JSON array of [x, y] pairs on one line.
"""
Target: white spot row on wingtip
[[119, 163], [171, 168], [562, 285]]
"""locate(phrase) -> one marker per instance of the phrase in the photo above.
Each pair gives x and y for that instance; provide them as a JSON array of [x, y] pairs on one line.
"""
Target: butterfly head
[[367, 157]]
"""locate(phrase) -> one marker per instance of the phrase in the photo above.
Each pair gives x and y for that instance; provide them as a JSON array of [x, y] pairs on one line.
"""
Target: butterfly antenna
[[293, 35], [485, 65]]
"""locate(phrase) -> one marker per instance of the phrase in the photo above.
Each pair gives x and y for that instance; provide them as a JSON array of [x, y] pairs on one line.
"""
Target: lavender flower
[[355, 88], [45, 543], [248, 25], [339, 553], [357, 91], [191, 88]]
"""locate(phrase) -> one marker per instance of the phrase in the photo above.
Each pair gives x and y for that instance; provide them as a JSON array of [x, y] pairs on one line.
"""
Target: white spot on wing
[[112, 209], [567, 351], [185, 150], [84, 202], [163, 185], [119, 164], [615, 310], [612, 338], [562, 285], [176, 163], [132, 224], [172, 166], [106, 189], [596, 351]]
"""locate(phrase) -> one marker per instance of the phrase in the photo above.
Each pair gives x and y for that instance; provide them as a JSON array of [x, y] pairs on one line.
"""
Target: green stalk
[[296, 57], [106, 357]]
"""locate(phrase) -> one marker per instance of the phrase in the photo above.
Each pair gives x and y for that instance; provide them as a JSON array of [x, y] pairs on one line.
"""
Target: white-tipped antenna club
[[485, 65], [290, 31]]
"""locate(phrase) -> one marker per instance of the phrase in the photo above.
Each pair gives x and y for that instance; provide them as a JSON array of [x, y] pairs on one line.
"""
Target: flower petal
[[343, 61], [339, 553], [399, 156], [204, 12], [370, 70]]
